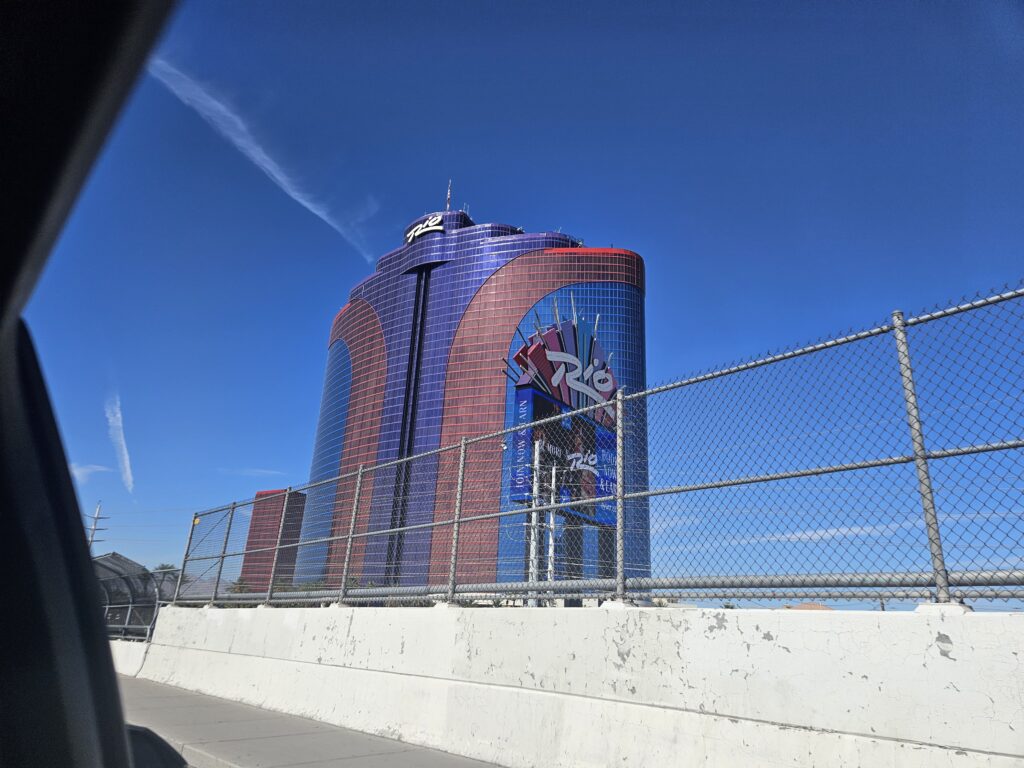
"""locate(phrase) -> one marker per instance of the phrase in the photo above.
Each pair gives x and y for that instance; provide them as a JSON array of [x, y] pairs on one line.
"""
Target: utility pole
[[96, 517]]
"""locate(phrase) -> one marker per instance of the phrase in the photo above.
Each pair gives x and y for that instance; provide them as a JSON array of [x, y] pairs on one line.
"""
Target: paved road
[[216, 733]]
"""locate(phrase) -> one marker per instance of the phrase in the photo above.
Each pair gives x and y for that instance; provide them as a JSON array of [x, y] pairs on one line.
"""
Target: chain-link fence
[[132, 595], [884, 465]]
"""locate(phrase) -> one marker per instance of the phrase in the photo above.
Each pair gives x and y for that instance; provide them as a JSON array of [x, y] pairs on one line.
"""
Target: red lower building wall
[[359, 327], [263, 532]]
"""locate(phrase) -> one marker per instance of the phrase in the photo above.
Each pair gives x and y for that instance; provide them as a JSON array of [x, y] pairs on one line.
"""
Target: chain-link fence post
[[131, 606], [551, 531], [184, 558], [223, 552], [924, 481], [456, 518], [534, 521], [156, 607], [106, 600], [620, 501], [351, 533], [277, 547]]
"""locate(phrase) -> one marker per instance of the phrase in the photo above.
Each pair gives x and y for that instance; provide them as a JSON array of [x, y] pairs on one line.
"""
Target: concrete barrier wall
[[625, 686], [128, 656]]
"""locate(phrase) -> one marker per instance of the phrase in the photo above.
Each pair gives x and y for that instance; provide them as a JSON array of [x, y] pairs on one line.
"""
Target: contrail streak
[[115, 427], [234, 128]]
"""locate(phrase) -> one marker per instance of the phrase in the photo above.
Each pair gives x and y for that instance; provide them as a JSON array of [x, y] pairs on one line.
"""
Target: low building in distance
[[271, 523]]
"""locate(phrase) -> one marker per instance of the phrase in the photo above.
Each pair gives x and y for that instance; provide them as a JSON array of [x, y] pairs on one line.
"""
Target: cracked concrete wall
[[589, 687]]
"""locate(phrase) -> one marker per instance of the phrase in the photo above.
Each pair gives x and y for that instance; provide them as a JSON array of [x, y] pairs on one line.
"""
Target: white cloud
[[251, 472], [235, 129], [82, 472], [115, 428], [826, 534]]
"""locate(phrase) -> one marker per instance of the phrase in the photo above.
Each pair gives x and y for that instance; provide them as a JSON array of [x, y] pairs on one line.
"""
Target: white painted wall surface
[[128, 656], [626, 687]]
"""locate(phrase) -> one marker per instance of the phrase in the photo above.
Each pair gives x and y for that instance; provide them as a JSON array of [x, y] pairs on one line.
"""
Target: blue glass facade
[[586, 551], [330, 435]]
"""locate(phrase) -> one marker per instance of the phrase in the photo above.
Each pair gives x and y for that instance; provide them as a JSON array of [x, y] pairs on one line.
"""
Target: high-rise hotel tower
[[455, 334]]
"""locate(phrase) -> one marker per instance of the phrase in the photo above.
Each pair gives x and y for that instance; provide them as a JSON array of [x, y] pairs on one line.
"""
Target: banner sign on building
[[581, 451], [563, 368]]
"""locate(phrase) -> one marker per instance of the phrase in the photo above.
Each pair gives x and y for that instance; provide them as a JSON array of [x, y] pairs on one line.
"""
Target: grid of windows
[[354, 384], [475, 397], [442, 308], [459, 260], [330, 436], [582, 551]]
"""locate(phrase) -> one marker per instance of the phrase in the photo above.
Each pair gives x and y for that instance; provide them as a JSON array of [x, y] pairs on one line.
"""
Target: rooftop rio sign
[[434, 223]]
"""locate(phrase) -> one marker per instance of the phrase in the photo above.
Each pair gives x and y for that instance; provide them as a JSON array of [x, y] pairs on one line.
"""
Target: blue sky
[[787, 171]]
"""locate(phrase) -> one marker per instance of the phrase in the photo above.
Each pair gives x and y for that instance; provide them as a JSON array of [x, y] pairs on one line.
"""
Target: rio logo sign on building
[[560, 369], [433, 223]]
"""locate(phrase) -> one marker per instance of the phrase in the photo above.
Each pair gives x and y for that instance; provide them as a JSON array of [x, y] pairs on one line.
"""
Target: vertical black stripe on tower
[[407, 434]]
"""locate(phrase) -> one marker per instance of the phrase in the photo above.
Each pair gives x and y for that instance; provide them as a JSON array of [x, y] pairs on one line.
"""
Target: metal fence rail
[[132, 599], [887, 464]]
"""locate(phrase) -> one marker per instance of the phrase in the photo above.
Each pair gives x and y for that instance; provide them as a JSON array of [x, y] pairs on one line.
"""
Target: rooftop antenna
[[448, 201]]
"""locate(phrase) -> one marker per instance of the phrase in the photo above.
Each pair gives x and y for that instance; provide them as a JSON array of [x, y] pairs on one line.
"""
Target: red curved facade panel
[[358, 326], [474, 392]]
